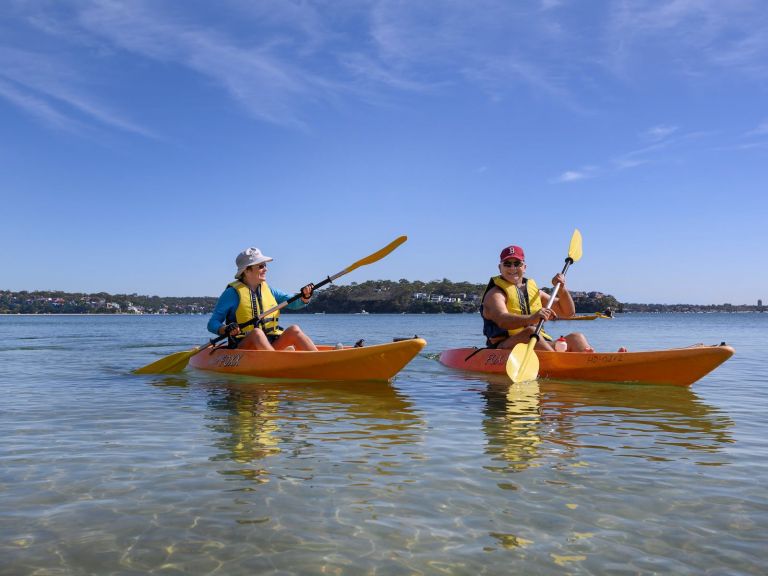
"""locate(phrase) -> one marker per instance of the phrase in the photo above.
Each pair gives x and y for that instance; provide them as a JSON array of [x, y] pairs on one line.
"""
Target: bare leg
[[293, 336], [256, 340], [577, 342]]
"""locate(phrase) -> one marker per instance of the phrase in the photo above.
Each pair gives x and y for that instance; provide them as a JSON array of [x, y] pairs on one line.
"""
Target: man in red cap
[[513, 305]]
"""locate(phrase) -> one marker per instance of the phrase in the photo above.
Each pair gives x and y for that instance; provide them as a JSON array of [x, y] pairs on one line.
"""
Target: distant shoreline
[[373, 296], [617, 314]]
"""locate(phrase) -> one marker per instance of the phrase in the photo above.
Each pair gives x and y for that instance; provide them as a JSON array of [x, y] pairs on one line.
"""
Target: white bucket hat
[[249, 257]]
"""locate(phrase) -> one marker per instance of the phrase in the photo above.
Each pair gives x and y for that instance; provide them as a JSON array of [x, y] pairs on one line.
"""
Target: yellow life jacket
[[252, 306], [515, 306]]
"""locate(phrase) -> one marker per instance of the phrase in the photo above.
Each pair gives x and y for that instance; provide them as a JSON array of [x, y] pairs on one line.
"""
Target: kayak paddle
[[522, 362], [177, 361]]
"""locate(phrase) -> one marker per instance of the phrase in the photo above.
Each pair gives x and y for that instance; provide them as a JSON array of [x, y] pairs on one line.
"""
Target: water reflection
[[171, 382], [655, 418], [512, 422], [254, 422], [524, 422], [247, 429]]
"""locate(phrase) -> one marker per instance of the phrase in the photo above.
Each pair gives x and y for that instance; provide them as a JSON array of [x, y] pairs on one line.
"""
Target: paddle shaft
[[568, 262], [522, 363]]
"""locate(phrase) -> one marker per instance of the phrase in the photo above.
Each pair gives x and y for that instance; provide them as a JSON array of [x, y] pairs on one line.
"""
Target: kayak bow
[[676, 366]]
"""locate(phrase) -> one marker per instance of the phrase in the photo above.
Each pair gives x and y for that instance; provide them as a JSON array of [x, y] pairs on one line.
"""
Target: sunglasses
[[258, 266], [510, 263]]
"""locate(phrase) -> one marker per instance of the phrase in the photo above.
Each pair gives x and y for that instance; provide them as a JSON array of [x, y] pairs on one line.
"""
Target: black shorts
[[492, 346]]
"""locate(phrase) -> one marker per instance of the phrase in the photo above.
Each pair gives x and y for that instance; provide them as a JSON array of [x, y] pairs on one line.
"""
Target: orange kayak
[[377, 362], [676, 366]]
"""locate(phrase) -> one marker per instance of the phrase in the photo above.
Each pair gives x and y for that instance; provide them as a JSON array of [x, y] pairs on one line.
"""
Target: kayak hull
[[676, 366], [377, 362]]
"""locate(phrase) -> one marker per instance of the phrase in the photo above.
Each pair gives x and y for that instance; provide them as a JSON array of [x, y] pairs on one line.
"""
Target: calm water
[[104, 472]]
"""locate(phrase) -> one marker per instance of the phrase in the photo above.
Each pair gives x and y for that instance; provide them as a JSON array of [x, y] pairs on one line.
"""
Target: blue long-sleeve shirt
[[224, 312]]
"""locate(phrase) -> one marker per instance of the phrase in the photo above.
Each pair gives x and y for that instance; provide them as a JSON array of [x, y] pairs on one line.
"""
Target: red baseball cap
[[512, 252]]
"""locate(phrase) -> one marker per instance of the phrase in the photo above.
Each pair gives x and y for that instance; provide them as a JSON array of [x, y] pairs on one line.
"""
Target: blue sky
[[143, 144]]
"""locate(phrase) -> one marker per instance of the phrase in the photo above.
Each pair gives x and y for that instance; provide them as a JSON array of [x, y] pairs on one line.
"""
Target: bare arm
[[563, 305], [495, 310]]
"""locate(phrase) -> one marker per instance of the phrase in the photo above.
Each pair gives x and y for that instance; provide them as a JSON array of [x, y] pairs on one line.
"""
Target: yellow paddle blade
[[513, 364], [522, 362], [171, 364], [574, 250], [376, 255]]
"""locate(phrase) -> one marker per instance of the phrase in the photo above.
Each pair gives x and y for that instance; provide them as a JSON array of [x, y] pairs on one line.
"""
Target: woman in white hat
[[249, 296]]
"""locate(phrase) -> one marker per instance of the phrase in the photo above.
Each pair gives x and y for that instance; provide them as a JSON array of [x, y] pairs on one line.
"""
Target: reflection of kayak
[[377, 362], [676, 366], [557, 409]]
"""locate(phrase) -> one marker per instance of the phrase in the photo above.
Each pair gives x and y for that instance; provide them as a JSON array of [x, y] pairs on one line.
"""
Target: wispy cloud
[[627, 162], [760, 130], [262, 82], [577, 175], [660, 147], [658, 150], [658, 133], [49, 89], [753, 139], [35, 106], [274, 75], [55, 85], [372, 71], [571, 176], [488, 44], [551, 4], [699, 36], [280, 59]]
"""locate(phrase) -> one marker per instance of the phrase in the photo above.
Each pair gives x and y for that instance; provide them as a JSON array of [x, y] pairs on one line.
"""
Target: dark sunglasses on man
[[511, 263]]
